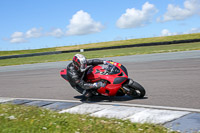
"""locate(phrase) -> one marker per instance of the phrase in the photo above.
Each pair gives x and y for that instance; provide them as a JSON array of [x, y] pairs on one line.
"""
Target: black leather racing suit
[[75, 77]]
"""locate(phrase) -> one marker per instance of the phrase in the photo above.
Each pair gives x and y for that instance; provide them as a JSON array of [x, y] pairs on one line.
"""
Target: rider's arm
[[95, 62], [87, 86], [74, 78], [84, 84]]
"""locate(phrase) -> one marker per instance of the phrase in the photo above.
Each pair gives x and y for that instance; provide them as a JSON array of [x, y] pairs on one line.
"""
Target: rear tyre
[[136, 90]]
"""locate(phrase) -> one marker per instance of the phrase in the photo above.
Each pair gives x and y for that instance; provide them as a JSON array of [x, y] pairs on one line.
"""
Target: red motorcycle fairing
[[114, 81], [63, 74]]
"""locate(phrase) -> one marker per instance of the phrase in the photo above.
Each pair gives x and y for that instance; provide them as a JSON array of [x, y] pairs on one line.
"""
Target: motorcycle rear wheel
[[136, 90]]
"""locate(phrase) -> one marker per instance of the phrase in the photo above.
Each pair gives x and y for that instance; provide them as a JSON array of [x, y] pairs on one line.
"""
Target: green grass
[[103, 53], [18, 52], [29, 119], [106, 44]]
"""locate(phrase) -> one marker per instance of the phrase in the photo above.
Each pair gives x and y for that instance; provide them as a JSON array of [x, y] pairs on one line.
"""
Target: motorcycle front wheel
[[136, 90]]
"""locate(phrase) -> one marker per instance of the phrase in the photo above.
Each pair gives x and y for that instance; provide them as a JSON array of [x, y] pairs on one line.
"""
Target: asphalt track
[[170, 79]]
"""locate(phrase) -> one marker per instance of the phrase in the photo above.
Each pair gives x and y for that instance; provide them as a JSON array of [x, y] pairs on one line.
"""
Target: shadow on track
[[106, 98]]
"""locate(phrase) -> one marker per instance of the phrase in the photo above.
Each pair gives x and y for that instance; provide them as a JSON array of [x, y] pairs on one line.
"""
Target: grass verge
[[106, 44], [25, 119], [103, 53]]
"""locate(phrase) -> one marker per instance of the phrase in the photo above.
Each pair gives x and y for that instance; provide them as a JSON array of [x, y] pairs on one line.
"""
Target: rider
[[76, 71]]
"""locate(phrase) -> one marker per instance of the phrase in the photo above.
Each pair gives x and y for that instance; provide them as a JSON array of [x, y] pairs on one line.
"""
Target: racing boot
[[87, 94]]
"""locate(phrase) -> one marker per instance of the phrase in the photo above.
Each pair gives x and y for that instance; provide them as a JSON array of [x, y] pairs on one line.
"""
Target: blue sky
[[33, 24]]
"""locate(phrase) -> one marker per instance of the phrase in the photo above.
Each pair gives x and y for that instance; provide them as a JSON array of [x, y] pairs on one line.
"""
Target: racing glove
[[99, 84]]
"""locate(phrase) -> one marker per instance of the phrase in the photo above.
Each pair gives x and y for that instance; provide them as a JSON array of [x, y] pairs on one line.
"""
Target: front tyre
[[136, 90]]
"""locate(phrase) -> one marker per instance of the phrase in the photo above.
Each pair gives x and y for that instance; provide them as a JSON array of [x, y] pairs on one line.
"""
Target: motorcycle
[[115, 75]]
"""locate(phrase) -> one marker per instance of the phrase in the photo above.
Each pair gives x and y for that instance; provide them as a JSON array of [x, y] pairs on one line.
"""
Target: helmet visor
[[83, 66]]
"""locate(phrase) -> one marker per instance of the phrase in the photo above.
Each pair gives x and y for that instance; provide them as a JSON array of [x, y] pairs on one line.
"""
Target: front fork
[[126, 87], [126, 90]]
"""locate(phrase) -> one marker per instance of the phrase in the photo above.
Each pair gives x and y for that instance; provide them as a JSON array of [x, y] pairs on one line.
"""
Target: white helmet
[[80, 62]]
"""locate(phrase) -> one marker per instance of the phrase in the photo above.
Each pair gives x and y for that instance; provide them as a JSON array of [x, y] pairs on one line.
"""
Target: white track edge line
[[40, 99], [120, 104]]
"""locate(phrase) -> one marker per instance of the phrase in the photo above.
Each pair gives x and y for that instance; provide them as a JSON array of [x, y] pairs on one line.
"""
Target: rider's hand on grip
[[99, 84]]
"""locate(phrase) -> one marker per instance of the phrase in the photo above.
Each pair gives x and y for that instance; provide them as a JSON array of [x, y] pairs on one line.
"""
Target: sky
[[34, 24]]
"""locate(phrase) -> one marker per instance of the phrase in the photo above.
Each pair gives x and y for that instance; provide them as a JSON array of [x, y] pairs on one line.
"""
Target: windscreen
[[111, 69]]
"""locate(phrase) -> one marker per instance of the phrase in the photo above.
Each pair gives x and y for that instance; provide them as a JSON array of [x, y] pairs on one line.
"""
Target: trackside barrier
[[104, 48]]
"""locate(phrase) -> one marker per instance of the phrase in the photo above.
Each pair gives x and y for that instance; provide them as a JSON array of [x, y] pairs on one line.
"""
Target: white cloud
[[17, 34], [137, 18], [82, 23], [17, 37], [166, 32], [34, 33], [191, 7], [194, 30], [17, 40], [55, 33], [20, 37]]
